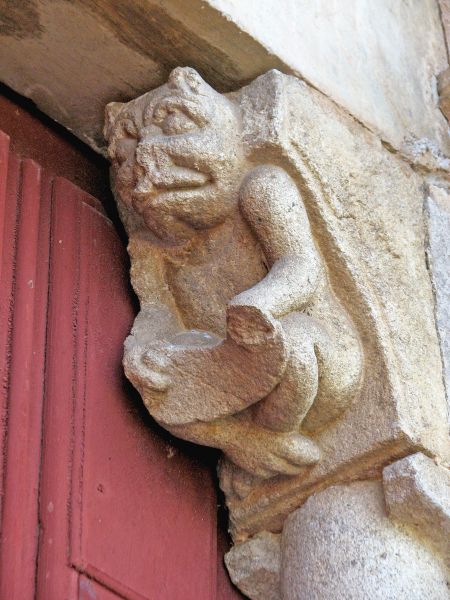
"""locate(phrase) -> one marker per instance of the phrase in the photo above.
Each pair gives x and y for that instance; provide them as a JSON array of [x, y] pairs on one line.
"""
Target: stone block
[[287, 314], [371, 206], [417, 493], [438, 252], [341, 544], [254, 566], [378, 60]]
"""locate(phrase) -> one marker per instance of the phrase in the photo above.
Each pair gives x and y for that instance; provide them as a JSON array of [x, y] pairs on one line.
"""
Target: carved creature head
[[177, 157]]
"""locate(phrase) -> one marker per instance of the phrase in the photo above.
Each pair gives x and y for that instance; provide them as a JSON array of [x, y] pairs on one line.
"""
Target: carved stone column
[[278, 253], [342, 544]]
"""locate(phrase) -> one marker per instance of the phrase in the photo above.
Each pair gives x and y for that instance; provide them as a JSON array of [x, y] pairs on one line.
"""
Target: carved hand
[[249, 324], [203, 377]]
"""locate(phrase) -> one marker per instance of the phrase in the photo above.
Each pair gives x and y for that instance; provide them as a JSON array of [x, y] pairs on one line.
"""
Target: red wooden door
[[24, 276], [96, 501]]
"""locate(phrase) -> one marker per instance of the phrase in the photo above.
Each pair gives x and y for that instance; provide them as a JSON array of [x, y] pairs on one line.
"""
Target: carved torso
[[206, 275], [244, 346]]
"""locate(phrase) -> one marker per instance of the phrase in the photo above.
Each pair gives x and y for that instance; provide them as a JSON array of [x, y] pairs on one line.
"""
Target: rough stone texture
[[254, 566], [444, 6], [438, 212], [444, 92], [370, 205], [71, 58], [217, 191], [341, 544], [417, 493], [379, 60], [256, 323]]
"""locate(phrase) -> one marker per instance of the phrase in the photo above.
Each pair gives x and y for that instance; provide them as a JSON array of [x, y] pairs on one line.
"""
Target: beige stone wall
[[378, 60]]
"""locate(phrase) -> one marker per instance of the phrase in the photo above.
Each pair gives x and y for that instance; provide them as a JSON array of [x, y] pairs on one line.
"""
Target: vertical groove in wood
[[55, 580], [5, 300], [7, 291], [27, 315], [79, 406]]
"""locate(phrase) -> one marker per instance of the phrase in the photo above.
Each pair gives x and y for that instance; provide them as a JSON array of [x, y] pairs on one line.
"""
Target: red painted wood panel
[[88, 589], [118, 503], [24, 273], [96, 501], [7, 250]]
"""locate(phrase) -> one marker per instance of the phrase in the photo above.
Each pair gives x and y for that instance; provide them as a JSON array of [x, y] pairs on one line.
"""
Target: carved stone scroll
[[286, 318]]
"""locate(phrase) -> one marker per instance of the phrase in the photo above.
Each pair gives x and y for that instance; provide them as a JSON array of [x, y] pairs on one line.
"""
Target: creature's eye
[[176, 116], [176, 122]]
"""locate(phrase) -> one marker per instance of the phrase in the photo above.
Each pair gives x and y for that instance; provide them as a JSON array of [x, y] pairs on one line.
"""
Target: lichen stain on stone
[[20, 20], [150, 31]]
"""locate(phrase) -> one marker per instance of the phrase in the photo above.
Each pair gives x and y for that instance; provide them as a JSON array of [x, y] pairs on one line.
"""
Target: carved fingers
[[157, 364], [148, 368]]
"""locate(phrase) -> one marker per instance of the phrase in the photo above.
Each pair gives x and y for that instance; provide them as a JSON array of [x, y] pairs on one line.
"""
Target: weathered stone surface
[[438, 251], [256, 325], [379, 60], [417, 493], [444, 92], [255, 565], [444, 6], [69, 65], [369, 57], [71, 58], [341, 544], [215, 193], [370, 204]]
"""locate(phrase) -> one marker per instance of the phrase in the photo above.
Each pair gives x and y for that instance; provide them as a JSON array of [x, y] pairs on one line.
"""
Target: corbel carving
[[250, 350], [286, 317]]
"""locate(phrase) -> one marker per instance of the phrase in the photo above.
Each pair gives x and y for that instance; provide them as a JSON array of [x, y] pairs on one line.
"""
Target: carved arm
[[272, 205]]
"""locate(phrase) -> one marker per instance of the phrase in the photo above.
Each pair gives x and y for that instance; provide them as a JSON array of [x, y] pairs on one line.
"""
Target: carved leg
[[286, 406], [340, 372], [339, 382]]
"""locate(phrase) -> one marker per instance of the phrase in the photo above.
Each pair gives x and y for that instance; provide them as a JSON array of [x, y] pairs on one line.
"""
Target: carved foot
[[266, 453]]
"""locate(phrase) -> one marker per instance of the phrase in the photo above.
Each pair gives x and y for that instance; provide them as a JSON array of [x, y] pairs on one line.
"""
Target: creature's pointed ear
[[263, 106], [111, 111]]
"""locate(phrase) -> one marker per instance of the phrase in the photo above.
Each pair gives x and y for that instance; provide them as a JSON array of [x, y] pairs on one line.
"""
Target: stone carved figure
[[240, 343], [275, 248]]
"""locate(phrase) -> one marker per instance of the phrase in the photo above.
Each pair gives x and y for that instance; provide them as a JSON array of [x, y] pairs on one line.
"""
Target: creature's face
[[177, 156]]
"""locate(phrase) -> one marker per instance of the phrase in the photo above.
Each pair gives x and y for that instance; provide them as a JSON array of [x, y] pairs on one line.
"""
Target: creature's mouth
[[173, 178], [173, 213], [178, 179]]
